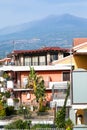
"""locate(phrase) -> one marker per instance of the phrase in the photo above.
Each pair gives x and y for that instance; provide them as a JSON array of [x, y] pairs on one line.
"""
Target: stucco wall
[[80, 61]]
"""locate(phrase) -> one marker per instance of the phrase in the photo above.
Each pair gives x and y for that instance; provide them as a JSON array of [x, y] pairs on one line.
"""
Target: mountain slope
[[51, 31]]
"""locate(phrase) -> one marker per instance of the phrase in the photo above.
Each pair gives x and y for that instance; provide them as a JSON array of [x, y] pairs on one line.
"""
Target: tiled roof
[[78, 41], [43, 49], [5, 59]]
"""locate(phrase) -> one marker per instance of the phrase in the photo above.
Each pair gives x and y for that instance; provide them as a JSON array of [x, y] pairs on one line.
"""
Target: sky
[[15, 12]]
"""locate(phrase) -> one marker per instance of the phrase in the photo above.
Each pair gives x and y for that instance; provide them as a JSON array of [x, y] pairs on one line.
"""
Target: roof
[[5, 59], [80, 49], [43, 49], [78, 41]]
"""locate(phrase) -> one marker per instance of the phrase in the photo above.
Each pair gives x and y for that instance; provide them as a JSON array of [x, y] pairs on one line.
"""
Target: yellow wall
[[80, 61], [65, 60]]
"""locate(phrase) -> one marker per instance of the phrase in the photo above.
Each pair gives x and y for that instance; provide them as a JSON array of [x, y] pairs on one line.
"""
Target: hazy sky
[[13, 12]]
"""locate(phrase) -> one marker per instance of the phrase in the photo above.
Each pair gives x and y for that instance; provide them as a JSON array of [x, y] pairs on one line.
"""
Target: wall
[[85, 116], [82, 127], [80, 61], [54, 76]]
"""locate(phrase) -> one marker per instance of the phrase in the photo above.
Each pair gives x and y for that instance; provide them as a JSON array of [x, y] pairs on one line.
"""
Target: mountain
[[51, 31]]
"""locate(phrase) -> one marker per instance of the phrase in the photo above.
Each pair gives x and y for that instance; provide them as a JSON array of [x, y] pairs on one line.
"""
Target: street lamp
[[24, 111]]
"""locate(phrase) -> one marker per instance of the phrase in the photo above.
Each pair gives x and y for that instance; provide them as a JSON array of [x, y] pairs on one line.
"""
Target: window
[[27, 61], [54, 57], [35, 60], [66, 76], [42, 60]]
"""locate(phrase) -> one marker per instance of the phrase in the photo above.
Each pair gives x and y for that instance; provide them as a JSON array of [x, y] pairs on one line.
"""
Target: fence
[[49, 129]]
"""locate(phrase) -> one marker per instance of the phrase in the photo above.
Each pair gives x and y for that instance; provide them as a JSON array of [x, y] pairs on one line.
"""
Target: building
[[57, 66], [78, 58], [42, 56], [18, 69]]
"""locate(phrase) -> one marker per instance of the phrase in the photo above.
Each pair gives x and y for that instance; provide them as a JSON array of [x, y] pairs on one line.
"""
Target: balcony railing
[[59, 96], [61, 86], [59, 103], [25, 64], [58, 85]]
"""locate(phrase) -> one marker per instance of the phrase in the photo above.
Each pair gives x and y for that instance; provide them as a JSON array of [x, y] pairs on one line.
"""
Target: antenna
[[13, 45]]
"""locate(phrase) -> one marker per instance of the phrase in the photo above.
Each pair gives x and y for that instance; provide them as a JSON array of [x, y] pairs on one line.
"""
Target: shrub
[[9, 110], [69, 124], [19, 124], [25, 112], [2, 111], [7, 94], [60, 118]]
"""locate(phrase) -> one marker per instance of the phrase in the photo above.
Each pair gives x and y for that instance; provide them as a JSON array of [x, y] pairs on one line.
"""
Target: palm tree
[[37, 84], [40, 94]]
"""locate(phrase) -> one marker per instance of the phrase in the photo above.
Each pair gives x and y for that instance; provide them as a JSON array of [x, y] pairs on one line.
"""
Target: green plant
[[19, 124], [60, 117], [2, 111], [7, 94], [6, 76], [9, 110], [37, 84], [25, 111], [69, 124], [16, 100]]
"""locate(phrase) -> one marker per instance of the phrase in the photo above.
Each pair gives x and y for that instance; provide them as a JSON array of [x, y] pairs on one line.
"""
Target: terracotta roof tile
[[78, 41], [43, 49]]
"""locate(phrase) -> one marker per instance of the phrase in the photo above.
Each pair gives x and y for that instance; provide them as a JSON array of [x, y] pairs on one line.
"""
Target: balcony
[[58, 85], [59, 103], [59, 94]]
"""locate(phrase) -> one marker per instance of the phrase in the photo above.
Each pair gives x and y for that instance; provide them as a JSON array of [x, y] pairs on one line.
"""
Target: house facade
[[42, 56], [18, 69], [77, 59], [79, 81]]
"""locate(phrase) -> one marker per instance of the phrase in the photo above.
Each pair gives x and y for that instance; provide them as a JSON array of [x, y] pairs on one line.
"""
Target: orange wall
[[24, 97], [48, 97], [54, 76]]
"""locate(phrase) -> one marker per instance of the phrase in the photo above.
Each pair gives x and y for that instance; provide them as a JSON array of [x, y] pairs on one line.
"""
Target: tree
[[31, 78], [40, 94], [60, 118], [37, 84]]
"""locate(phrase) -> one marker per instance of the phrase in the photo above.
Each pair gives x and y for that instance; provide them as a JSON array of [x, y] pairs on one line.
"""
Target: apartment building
[[18, 67], [42, 56]]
